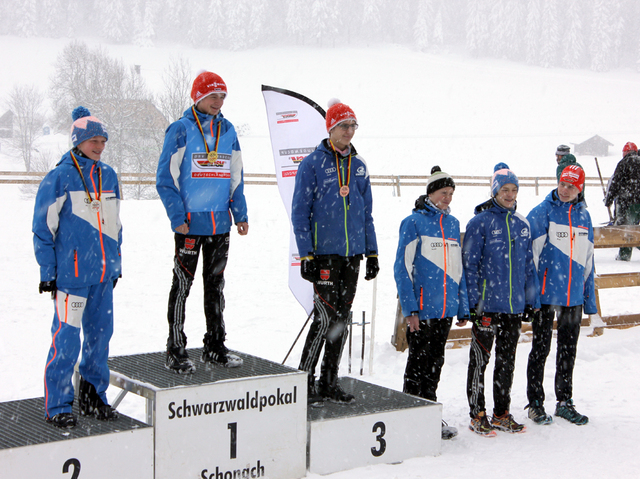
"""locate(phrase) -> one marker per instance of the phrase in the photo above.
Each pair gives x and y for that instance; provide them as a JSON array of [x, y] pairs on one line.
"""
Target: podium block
[[382, 426], [221, 423], [29, 447]]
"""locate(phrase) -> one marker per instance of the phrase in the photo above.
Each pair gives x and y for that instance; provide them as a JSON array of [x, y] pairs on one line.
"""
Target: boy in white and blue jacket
[[502, 287], [331, 215], [431, 285], [563, 252], [77, 236], [200, 182]]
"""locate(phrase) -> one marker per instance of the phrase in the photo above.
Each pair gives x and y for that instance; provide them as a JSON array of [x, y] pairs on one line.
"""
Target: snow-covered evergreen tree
[[27, 18], [215, 24], [477, 26], [572, 43], [145, 31], [532, 32], [600, 41], [236, 14], [550, 34], [423, 28], [115, 21], [372, 24]]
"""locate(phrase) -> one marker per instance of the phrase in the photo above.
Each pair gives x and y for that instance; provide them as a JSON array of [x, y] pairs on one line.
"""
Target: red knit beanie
[[337, 113], [205, 84], [574, 175], [628, 148]]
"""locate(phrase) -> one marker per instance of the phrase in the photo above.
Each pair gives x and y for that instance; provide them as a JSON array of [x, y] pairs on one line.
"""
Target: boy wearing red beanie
[[563, 253]]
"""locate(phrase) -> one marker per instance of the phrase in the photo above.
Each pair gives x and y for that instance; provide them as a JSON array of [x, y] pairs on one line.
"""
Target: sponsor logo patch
[[189, 243], [324, 274]]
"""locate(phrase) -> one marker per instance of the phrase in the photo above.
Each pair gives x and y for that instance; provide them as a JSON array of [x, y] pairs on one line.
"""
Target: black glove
[[372, 268], [529, 314], [47, 286], [308, 270]]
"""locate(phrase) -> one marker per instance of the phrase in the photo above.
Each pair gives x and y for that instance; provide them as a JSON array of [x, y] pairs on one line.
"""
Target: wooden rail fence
[[396, 181]]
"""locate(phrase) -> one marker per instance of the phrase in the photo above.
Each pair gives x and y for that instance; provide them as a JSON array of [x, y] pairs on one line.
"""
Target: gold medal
[[212, 156], [344, 191]]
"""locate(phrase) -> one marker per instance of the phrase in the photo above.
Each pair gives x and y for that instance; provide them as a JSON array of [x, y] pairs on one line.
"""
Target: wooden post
[[399, 338]]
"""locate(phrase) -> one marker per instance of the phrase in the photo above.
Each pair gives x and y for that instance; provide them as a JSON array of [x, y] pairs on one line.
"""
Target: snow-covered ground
[[415, 110]]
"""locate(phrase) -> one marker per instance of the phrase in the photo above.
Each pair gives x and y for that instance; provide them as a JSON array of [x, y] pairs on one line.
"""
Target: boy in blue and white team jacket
[[200, 182], [431, 285], [502, 287], [77, 236], [563, 251], [331, 214]]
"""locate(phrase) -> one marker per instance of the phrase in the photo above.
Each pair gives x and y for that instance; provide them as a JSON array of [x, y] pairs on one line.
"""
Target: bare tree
[[118, 96], [175, 97], [26, 104]]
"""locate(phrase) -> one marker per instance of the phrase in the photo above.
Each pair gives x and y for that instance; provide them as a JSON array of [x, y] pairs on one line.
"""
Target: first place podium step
[[221, 422]]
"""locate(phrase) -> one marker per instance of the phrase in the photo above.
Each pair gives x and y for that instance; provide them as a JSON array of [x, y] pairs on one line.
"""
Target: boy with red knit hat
[[563, 253], [333, 227], [200, 182], [624, 189]]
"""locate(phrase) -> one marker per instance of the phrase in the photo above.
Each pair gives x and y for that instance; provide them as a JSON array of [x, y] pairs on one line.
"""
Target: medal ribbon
[[341, 181], [206, 146], [86, 188]]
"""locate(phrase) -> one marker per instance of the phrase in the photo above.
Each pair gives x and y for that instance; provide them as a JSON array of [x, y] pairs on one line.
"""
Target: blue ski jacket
[[76, 239], [498, 261], [563, 253], [194, 189], [324, 222], [428, 267]]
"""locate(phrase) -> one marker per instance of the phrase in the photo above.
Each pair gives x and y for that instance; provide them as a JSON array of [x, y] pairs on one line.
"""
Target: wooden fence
[[395, 181]]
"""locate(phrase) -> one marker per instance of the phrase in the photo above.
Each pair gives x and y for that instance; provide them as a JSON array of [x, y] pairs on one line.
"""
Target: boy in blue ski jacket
[[431, 285], [563, 252], [200, 182], [333, 227], [502, 287], [77, 236]]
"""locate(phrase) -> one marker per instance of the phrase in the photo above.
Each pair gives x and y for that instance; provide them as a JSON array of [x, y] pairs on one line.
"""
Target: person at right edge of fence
[[502, 287], [624, 190], [563, 252]]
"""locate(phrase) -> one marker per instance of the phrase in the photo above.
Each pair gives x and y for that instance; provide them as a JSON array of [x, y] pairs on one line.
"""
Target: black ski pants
[[505, 328], [334, 292], [215, 250], [568, 327], [426, 357]]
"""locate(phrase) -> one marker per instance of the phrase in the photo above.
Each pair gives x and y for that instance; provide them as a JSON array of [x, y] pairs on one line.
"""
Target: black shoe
[[63, 420], [90, 404], [220, 355], [537, 413], [313, 397], [106, 413], [448, 432], [334, 393], [179, 362], [567, 410]]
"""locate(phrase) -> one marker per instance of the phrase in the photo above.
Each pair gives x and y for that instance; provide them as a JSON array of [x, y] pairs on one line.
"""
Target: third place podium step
[[382, 426]]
